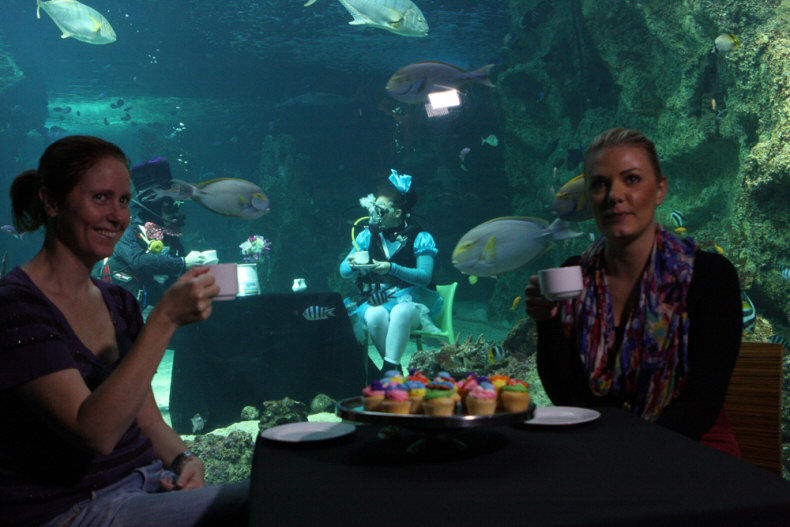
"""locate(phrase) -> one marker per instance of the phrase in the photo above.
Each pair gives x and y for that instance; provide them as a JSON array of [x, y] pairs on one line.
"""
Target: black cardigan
[[715, 326]]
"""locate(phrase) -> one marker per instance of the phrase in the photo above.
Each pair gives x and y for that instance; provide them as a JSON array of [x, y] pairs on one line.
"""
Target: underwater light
[[440, 103], [444, 99]]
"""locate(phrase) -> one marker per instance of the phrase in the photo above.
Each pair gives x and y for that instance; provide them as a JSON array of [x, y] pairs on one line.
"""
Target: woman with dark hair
[[84, 442], [397, 279], [657, 327]]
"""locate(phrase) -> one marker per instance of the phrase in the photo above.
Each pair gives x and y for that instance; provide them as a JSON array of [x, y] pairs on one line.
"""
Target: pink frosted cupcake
[[396, 400], [482, 400], [373, 396]]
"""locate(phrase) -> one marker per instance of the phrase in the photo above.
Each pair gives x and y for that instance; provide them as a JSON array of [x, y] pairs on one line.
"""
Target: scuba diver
[[150, 256], [395, 276]]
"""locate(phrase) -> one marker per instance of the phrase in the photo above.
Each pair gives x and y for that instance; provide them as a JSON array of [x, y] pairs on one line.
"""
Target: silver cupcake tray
[[353, 410]]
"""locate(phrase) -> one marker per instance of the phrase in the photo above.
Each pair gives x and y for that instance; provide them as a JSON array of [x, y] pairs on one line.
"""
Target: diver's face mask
[[378, 212], [170, 213]]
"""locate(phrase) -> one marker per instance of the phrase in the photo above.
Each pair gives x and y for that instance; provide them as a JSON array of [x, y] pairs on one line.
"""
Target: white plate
[[562, 416], [362, 266], [301, 432]]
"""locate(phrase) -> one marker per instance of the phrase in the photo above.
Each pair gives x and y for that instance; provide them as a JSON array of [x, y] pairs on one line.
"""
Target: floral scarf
[[651, 367]]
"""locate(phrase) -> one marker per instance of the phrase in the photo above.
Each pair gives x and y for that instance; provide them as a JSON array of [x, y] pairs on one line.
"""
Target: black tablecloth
[[618, 470]]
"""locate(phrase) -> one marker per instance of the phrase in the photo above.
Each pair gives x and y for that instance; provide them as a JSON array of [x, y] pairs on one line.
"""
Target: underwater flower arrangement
[[255, 248]]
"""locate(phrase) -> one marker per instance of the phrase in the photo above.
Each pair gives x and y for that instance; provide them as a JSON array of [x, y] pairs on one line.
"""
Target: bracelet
[[180, 459]]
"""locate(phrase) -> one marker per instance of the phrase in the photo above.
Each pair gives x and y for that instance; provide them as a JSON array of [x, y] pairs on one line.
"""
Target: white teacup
[[210, 257], [227, 278], [560, 283], [361, 257]]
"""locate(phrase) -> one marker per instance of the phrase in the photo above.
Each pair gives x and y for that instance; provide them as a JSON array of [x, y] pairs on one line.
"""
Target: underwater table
[[616, 471]]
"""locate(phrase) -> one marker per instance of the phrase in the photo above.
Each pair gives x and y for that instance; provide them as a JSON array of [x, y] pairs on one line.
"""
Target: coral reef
[[249, 412], [282, 411], [322, 403], [227, 459]]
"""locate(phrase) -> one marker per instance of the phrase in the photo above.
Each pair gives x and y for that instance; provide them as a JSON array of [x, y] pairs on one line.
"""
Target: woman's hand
[[191, 476], [381, 267], [189, 299], [538, 306]]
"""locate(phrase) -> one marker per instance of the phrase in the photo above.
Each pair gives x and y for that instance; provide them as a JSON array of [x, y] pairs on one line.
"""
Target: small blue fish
[[378, 298], [197, 423], [778, 339], [677, 218], [318, 312], [496, 354], [749, 313], [783, 270]]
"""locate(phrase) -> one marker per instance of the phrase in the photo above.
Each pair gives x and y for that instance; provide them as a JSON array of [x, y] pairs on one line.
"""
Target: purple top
[[41, 474]]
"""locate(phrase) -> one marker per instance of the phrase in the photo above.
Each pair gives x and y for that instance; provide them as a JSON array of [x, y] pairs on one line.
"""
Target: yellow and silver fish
[[725, 43], [401, 17], [571, 203], [225, 196], [78, 21], [506, 243]]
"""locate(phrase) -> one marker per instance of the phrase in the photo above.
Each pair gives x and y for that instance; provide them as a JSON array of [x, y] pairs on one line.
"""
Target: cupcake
[[515, 396], [466, 385], [417, 375], [445, 378], [481, 400], [438, 402], [372, 396], [416, 394], [499, 381], [396, 400]]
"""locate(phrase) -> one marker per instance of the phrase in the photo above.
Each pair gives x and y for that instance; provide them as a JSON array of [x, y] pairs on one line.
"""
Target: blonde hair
[[615, 137]]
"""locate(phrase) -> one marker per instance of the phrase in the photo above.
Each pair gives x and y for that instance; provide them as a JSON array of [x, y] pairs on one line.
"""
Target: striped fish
[[318, 312], [783, 270], [379, 297], [778, 339], [749, 313], [677, 218], [496, 354]]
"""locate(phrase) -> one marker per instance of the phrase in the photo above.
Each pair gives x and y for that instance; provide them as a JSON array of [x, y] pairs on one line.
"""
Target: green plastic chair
[[444, 320]]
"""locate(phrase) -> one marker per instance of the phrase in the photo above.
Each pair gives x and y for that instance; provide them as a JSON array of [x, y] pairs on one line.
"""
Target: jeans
[[138, 500]]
